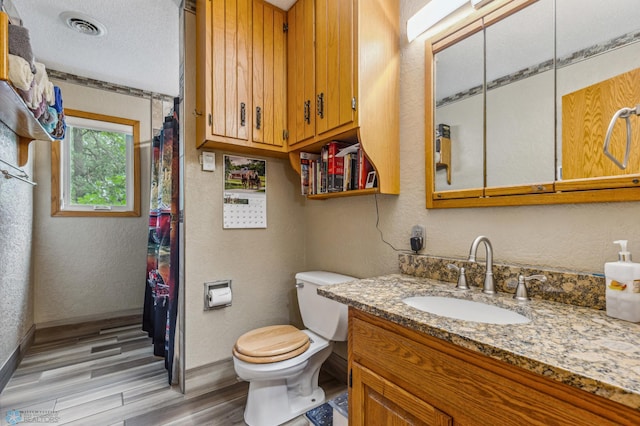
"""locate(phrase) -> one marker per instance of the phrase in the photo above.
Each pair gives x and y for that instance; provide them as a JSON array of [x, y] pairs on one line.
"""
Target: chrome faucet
[[489, 286]]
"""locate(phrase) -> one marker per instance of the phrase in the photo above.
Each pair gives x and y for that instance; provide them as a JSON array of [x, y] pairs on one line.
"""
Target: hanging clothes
[[161, 289]]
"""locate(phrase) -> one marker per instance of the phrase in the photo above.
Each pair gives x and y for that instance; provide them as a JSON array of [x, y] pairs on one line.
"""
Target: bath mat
[[322, 415], [341, 404]]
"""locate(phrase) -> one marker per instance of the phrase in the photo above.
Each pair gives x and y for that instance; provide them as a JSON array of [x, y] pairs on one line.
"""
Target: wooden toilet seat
[[271, 344]]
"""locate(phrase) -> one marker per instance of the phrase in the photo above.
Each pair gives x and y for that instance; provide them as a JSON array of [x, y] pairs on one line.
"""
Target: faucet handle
[[462, 277], [521, 289]]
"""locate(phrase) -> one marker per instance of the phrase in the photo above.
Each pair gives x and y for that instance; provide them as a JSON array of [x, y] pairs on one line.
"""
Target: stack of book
[[338, 167]]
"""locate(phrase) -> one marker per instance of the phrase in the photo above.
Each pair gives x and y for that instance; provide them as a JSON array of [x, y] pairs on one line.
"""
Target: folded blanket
[[27, 95], [61, 127], [20, 44], [39, 110], [52, 119], [44, 85], [20, 73], [49, 116], [58, 99]]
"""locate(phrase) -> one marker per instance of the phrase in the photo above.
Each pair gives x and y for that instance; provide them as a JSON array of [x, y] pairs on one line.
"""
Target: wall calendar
[[245, 192]]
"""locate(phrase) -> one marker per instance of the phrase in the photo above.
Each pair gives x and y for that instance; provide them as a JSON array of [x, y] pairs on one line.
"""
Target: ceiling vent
[[83, 24]]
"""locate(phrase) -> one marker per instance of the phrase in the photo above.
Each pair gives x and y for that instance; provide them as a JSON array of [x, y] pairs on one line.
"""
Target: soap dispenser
[[623, 286]]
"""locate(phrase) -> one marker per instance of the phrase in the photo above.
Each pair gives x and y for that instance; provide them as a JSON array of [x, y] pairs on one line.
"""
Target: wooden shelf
[[14, 113], [339, 194]]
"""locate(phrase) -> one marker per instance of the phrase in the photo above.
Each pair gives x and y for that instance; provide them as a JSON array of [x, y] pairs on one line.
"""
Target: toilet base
[[272, 402]]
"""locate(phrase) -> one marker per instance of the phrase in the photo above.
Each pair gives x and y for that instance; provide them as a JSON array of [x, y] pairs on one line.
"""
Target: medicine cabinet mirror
[[519, 100]]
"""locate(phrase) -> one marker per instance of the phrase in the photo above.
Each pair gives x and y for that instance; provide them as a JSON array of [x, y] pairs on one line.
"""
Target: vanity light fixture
[[435, 11]]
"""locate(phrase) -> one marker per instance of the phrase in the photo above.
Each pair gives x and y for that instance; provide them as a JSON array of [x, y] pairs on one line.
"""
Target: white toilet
[[281, 363]]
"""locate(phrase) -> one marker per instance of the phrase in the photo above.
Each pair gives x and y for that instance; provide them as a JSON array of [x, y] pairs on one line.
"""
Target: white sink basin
[[467, 310]]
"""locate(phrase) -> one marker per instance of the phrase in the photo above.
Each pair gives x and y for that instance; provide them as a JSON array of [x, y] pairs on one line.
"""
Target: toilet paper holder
[[217, 294]]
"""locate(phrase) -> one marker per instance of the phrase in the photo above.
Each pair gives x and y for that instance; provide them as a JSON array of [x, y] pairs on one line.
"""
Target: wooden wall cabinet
[[334, 75], [397, 373], [355, 72], [241, 74], [269, 75], [301, 72]]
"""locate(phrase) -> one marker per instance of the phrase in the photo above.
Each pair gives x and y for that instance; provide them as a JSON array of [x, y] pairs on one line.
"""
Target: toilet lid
[[271, 344]]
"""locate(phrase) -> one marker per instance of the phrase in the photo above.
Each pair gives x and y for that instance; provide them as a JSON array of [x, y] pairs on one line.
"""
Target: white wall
[[86, 266], [260, 262], [16, 217], [342, 236]]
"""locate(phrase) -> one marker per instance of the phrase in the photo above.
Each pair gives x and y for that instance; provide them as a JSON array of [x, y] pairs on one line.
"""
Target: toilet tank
[[323, 316]]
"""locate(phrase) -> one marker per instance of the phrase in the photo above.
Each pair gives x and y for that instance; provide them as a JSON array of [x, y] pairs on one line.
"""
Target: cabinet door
[[230, 68], [335, 73], [301, 71], [377, 401], [269, 74]]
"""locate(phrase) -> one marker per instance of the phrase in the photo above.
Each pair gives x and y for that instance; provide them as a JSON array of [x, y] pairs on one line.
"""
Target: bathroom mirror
[[538, 61]]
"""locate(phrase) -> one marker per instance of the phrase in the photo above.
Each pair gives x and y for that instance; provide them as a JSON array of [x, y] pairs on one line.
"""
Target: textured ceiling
[[140, 48]]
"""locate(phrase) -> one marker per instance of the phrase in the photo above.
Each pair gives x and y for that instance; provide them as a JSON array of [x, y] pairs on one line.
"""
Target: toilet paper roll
[[219, 297]]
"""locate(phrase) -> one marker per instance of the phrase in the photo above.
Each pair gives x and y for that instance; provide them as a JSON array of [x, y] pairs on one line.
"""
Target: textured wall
[[16, 216], [342, 236], [90, 266], [261, 262]]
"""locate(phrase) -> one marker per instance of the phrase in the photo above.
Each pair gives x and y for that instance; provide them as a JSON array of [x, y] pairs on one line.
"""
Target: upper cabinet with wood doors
[[345, 87], [241, 76], [269, 75]]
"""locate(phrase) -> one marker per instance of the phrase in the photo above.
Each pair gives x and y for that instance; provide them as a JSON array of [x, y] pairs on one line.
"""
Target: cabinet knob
[[243, 114], [258, 117]]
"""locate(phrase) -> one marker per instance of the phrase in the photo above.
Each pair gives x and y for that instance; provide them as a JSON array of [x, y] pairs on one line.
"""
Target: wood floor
[[109, 376]]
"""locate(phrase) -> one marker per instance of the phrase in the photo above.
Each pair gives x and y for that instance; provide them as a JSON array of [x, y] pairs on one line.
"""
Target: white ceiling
[[140, 48]]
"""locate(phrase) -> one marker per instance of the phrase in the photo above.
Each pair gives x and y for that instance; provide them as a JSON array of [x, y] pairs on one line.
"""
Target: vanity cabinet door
[[377, 401], [269, 74]]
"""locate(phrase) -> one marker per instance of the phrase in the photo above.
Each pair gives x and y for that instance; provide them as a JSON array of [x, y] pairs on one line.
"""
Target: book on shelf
[[335, 166], [306, 177], [364, 167], [338, 167]]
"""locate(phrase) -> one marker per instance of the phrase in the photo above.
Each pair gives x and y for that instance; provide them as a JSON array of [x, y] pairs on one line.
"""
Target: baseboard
[[11, 364], [210, 377]]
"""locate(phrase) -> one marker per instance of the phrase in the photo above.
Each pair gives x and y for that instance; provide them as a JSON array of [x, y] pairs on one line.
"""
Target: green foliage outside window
[[98, 172]]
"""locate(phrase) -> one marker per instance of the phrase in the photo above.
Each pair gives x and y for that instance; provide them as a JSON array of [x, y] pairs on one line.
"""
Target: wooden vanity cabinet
[[241, 66], [410, 377]]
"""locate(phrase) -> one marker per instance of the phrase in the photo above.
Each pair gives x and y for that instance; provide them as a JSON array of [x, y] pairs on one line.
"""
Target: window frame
[[57, 172]]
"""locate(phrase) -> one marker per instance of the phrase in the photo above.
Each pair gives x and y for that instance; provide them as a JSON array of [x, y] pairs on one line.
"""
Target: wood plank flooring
[[107, 375]]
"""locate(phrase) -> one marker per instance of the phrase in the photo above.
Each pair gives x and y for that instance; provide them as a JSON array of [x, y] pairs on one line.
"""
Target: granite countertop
[[581, 347]]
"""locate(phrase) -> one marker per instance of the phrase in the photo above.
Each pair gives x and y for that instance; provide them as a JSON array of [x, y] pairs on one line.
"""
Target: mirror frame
[[587, 190]]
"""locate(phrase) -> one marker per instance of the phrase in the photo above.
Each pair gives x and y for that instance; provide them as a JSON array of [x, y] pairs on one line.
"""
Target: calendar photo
[[245, 192]]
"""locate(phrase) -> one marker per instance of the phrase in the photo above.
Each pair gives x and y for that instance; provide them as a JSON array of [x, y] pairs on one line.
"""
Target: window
[[95, 170]]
